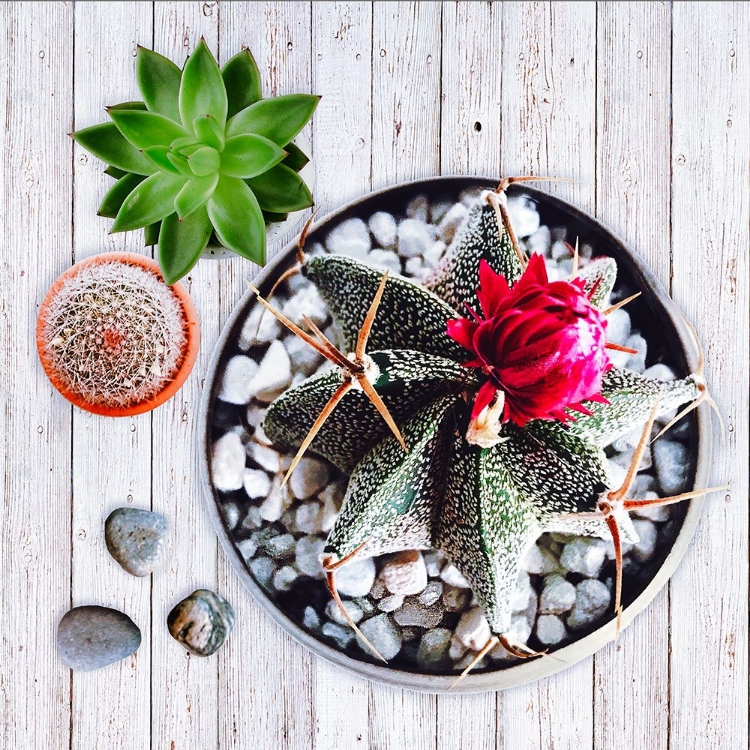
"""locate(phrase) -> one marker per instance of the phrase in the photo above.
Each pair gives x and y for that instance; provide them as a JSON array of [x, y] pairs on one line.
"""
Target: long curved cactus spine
[[481, 506]]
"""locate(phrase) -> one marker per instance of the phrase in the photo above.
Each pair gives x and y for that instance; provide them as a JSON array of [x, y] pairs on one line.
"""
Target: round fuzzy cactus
[[472, 412]]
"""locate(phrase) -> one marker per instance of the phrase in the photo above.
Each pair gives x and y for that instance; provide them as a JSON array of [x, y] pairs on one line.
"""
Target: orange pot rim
[[192, 331]]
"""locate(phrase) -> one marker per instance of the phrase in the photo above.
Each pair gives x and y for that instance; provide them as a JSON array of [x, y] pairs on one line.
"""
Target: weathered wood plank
[[112, 704], [631, 699], [710, 245], [548, 114], [37, 74], [273, 694], [185, 688]]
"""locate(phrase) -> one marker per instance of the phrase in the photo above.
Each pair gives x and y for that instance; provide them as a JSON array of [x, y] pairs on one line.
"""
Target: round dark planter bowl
[[654, 313]]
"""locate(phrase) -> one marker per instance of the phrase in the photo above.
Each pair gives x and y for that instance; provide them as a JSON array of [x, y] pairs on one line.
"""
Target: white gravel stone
[[660, 372], [384, 229], [520, 628], [453, 577], [308, 518], [237, 380], [455, 599], [540, 241], [434, 562], [451, 222], [473, 630], [385, 260], [414, 238], [559, 250], [519, 600], [550, 630], [637, 362], [524, 216], [252, 520], [276, 502], [356, 578], [228, 462], [656, 513], [432, 593], [644, 548], [391, 603], [383, 635], [284, 578], [330, 511], [416, 268], [434, 255], [672, 463], [341, 634], [260, 327], [539, 561], [584, 555], [351, 237], [310, 619], [434, 647], [305, 360], [438, 211], [274, 374], [307, 302], [405, 573], [618, 326], [263, 569], [247, 548], [231, 514], [592, 600], [456, 649], [307, 556], [558, 595], [308, 478], [267, 458], [417, 208], [255, 415], [334, 613], [256, 483]]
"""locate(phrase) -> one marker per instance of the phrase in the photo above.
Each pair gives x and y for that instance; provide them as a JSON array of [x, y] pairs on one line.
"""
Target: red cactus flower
[[541, 345]]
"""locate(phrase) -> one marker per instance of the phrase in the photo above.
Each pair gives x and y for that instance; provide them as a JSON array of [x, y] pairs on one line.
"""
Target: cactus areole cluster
[[472, 412]]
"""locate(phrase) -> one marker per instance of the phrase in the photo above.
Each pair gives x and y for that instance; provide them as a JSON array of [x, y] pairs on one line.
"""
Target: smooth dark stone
[[92, 637], [201, 622], [137, 539]]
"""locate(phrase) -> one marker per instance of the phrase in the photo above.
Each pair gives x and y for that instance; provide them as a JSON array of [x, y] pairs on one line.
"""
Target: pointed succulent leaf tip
[[279, 119], [540, 343], [117, 194], [159, 156], [144, 129], [242, 80], [204, 161], [281, 190], [107, 143], [151, 233], [114, 172], [181, 243], [202, 88], [159, 81], [150, 201], [195, 194], [127, 105], [237, 219], [296, 158], [249, 155], [180, 163], [599, 278], [209, 132]]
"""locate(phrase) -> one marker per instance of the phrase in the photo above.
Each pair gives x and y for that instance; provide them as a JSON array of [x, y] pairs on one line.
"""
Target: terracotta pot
[[661, 312], [190, 315]]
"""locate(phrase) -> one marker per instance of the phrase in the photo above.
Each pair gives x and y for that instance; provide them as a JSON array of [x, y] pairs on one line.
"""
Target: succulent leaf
[[195, 194], [208, 131], [145, 129], [599, 278], [202, 88], [129, 105], [242, 82], [159, 82], [159, 155], [107, 143], [407, 381], [114, 172], [204, 161], [151, 233], [117, 194], [281, 190], [181, 242], [237, 219], [180, 163], [278, 119], [151, 200], [296, 158], [249, 155], [393, 497], [270, 217], [409, 317]]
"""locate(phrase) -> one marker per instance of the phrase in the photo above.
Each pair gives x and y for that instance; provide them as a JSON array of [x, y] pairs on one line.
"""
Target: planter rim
[[192, 331], [522, 672]]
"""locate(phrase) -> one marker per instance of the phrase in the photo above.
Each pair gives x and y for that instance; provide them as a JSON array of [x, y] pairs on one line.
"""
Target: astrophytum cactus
[[471, 413], [202, 156]]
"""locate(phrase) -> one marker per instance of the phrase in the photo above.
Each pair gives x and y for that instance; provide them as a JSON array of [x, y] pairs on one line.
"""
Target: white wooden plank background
[[645, 104]]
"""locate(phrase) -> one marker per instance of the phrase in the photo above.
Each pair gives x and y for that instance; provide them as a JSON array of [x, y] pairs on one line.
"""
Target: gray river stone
[[201, 622], [137, 539]]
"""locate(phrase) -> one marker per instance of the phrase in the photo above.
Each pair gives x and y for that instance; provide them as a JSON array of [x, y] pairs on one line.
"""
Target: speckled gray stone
[[201, 622], [92, 637], [136, 538]]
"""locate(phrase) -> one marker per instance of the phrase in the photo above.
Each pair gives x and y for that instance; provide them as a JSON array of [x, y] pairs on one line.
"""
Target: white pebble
[[644, 548], [618, 326], [228, 462], [274, 374], [383, 635], [267, 458], [384, 229], [284, 578], [550, 630], [434, 255], [453, 577], [305, 360], [672, 464], [237, 380], [356, 578], [473, 630], [343, 635], [451, 222], [231, 514], [539, 242], [414, 238], [247, 548], [308, 517], [256, 483], [307, 556], [438, 211], [434, 561], [659, 372], [308, 478], [310, 619], [333, 612], [592, 600], [391, 603], [538, 561], [385, 260], [307, 302], [584, 555], [456, 649], [524, 217], [519, 600], [637, 362], [261, 327], [263, 569], [350, 238], [405, 573], [416, 269], [557, 596], [417, 208]]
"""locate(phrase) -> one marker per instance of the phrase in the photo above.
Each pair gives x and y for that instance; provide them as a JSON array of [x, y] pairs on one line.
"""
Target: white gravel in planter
[[415, 607]]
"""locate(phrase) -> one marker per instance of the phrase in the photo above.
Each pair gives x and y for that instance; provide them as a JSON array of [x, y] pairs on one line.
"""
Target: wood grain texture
[[710, 245], [631, 695], [36, 189], [579, 90]]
